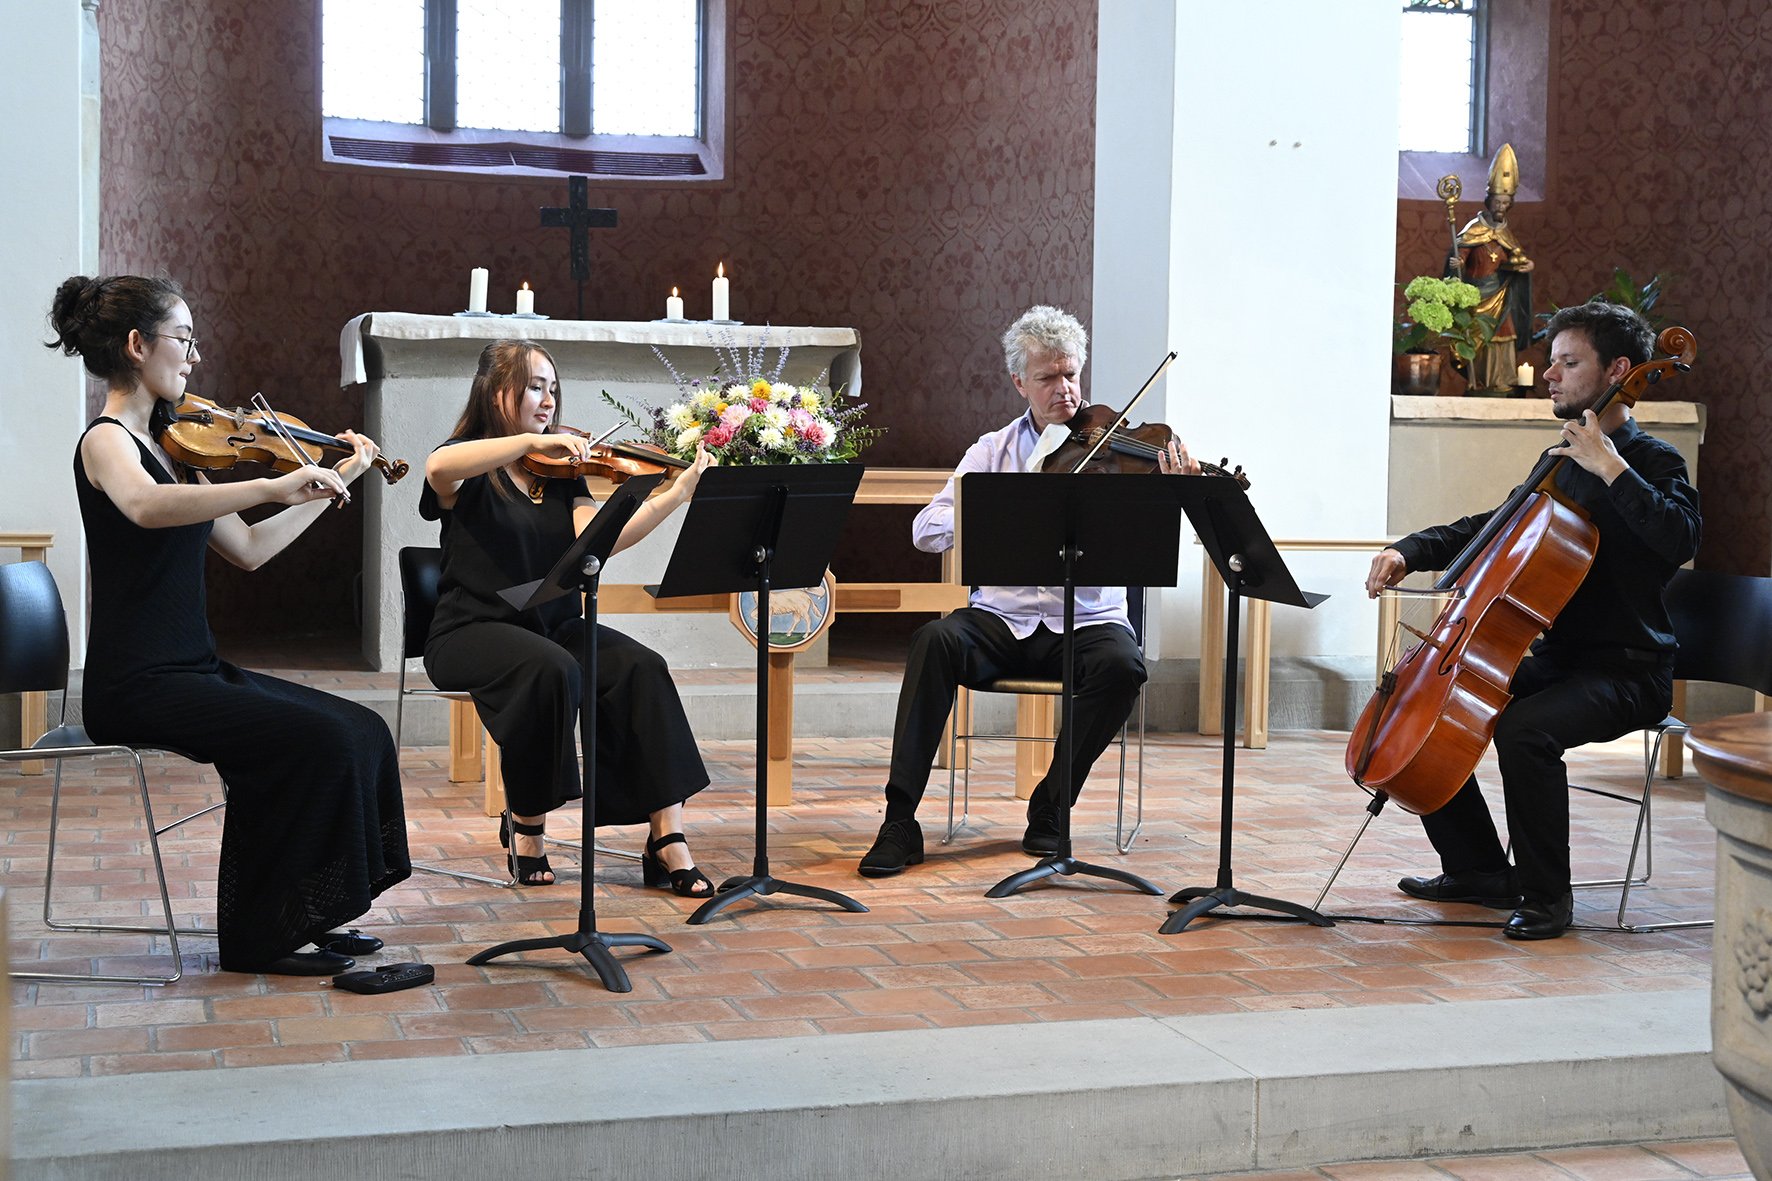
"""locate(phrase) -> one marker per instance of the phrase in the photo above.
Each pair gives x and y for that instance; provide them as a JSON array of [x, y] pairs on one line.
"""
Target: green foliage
[[1443, 311]]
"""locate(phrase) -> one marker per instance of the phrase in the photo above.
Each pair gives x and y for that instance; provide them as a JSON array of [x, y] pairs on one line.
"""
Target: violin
[[1101, 441], [205, 435], [614, 462], [1433, 714]]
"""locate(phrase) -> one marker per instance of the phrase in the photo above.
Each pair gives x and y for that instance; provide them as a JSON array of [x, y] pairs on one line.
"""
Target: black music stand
[[580, 569], [1244, 554], [1042, 529], [758, 527]]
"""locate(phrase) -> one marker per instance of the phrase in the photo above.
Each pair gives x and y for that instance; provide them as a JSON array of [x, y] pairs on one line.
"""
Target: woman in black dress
[[502, 526], [314, 827]]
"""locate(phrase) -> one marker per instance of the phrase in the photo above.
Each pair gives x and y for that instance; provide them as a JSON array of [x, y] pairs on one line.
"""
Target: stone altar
[[414, 373]]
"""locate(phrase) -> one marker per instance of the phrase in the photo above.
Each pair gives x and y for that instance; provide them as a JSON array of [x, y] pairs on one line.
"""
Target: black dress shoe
[[1042, 838], [351, 942], [899, 844], [1495, 888], [304, 963], [1541, 918]]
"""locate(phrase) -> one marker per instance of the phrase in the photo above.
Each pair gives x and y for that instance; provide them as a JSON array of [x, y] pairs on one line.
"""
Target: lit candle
[[525, 301], [477, 289], [674, 306], [722, 294], [1523, 375]]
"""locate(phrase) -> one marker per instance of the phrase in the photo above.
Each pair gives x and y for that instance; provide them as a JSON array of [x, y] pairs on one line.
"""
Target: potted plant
[[1442, 313]]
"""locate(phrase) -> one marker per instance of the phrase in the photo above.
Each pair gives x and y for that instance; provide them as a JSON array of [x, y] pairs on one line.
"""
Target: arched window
[[615, 89]]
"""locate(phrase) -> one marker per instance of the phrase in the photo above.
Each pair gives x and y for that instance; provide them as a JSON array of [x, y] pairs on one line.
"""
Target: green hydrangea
[[1431, 314]]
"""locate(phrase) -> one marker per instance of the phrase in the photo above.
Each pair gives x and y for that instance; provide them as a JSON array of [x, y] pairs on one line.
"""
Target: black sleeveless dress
[[314, 828]]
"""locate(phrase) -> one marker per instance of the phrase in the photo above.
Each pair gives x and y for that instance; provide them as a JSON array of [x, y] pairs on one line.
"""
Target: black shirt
[[1648, 525], [497, 537]]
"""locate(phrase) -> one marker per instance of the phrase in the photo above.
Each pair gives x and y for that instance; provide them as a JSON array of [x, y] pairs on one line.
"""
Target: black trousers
[[526, 689], [1556, 705], [971, 647]]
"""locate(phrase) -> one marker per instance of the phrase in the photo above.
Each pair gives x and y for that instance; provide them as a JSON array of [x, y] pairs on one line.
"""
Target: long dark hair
[[504, 365]]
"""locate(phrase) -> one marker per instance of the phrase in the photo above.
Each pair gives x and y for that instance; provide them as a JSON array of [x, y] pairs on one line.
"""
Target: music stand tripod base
[[1198, 900], [734, 890], [595, 946], [1066, 865]]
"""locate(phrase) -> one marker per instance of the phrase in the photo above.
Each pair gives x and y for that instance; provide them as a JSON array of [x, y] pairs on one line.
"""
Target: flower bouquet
[[745, 416], [1444, 310]]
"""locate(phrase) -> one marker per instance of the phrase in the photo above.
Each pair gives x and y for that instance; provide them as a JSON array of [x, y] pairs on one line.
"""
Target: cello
[[1433, 714]]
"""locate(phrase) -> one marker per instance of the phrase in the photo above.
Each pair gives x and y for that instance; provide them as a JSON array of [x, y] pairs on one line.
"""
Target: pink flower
[[815, 433], [720, 435], [799, 420], [758, 405], [735, 415]]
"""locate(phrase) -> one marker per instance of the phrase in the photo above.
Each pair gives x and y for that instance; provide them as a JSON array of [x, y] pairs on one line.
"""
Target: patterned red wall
[[1660, 150], [919, 171]]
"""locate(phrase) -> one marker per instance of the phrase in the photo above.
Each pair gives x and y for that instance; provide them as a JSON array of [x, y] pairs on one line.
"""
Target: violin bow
[[1125, 414], [282, 432]]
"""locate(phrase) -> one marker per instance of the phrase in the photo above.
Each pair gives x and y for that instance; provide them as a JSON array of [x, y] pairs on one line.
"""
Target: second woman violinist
[[503, 525]]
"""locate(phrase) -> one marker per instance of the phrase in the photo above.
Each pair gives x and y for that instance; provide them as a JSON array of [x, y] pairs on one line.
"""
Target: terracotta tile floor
[[932, 951]]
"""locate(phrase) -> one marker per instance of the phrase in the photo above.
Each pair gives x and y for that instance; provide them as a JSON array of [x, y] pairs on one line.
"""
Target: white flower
[[782, 392], [687, 440], [704, 401], [776, 416], [773, 438], [679, 417]]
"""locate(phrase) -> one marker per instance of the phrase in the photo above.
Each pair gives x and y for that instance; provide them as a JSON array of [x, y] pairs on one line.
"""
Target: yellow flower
[[809, 400], [719, 408]]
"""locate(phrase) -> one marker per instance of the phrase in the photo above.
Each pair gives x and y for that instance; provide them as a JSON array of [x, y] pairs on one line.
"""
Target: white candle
[[477, 289], [525, 301], [674, 306], [722, 294], [1523, 375]]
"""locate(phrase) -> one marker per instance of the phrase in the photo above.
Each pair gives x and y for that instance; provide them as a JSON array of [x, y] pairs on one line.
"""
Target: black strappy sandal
[[681, 882], [526, 870]]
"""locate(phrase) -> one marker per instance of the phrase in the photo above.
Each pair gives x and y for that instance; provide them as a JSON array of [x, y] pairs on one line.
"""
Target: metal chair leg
[[1123, 841]]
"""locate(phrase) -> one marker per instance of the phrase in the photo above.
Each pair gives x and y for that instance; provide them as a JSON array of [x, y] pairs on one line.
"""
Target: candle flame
[[673, 293], [720, 271], [525, 287]]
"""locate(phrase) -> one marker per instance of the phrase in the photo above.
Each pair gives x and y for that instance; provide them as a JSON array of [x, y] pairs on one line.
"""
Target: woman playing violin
[[314, 827], [503, 525]]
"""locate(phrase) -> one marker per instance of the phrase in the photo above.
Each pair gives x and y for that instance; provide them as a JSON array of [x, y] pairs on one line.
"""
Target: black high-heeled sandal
[[526, 870], [681, 882]]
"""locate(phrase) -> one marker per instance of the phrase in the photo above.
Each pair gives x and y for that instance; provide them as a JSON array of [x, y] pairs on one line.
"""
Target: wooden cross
[[580, 219]]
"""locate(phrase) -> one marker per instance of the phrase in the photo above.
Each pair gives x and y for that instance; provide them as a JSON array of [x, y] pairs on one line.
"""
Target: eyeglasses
[[190, 343]]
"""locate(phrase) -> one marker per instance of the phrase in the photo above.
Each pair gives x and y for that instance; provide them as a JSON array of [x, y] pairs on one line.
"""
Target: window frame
[[1514, 99], [439, 133], [1477, 84]]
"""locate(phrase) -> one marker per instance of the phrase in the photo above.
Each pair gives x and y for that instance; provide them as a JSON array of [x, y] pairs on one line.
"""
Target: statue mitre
[[1504, 172]]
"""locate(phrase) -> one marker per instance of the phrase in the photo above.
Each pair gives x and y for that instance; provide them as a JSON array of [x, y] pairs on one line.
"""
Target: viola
[[614, 462], [203, 434], [1433, 714], [1100, 441]]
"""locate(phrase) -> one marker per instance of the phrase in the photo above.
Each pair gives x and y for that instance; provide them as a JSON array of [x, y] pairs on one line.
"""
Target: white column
[[49, 122]]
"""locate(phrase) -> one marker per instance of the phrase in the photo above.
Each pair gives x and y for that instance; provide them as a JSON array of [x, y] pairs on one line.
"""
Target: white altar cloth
[[415, 370]]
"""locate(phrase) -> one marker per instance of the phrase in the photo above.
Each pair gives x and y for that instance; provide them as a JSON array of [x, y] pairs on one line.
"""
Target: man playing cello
[[1605, 665]]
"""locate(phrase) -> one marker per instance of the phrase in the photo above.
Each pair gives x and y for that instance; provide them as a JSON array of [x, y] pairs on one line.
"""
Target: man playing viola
[[1605, 665], [1013, 631]]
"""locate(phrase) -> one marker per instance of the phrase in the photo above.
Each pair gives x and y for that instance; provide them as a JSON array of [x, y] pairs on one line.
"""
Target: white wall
[[49, 128], [1259, 243]]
